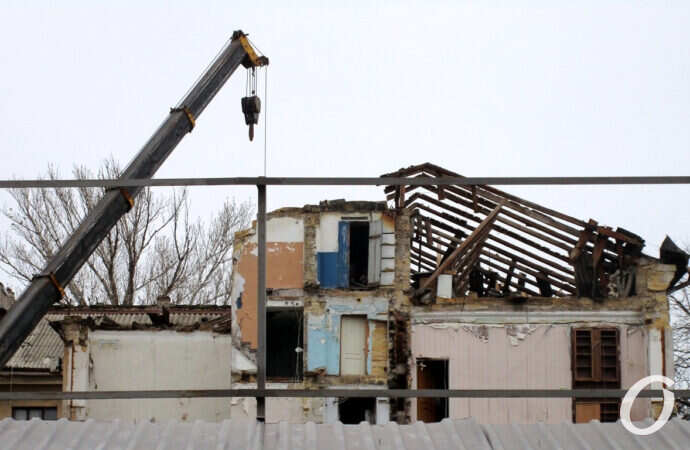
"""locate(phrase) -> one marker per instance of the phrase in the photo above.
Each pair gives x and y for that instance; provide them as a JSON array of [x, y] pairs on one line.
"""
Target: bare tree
[[679, 300], [680, 312], [155, 249]]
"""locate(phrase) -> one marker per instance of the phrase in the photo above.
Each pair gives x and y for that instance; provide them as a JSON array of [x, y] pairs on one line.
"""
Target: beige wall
[[517, 357], [30, 384], [158, 360]]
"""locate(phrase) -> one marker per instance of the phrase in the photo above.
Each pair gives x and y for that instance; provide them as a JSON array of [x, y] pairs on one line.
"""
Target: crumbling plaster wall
[[519, 356], [495, 343], [302, 244], [284, 269], [323, 336]]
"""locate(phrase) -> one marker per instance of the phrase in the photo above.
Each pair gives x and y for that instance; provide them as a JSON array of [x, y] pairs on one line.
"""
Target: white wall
[[128, 360]]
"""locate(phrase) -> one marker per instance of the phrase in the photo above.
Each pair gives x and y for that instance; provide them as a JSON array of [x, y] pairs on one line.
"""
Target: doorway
[[432, 374]]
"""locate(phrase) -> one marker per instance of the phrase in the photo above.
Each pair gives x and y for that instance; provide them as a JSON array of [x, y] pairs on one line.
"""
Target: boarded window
[[596, 365], [284, 344], [432, 374], [353, 345]]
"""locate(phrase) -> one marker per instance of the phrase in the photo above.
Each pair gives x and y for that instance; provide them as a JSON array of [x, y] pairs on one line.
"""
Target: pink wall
[[539, 361]]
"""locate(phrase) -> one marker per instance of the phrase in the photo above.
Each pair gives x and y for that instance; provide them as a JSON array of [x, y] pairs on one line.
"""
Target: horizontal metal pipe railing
[[323, 393], [349, 181]]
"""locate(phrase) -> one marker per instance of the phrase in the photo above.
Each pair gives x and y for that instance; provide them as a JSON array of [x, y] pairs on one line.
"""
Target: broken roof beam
[[476, 235], [537, 212], [512, 283], [567, 278], [528, 217], [566, 284], [472, 258], [440, 171], [566, 270], [564, 287], [522, 238], [429, 266], [501, 241], [528, 226]]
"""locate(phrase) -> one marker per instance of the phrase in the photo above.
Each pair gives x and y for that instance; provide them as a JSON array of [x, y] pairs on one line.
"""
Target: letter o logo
[[632, 394]]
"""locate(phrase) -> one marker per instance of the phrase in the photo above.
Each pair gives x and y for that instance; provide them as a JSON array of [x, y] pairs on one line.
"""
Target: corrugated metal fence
[[245, 434]]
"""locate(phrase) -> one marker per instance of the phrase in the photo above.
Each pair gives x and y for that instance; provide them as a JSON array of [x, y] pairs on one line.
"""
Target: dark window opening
[[359, 253], [28, 413], [596, 365], [355, 410], [284, 344], [432, 374]]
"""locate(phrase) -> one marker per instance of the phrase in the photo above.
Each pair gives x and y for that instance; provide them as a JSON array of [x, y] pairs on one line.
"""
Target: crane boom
[[48, 287]]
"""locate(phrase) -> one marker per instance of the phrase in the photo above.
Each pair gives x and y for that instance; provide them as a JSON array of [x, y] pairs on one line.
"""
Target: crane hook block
[[251, 107]]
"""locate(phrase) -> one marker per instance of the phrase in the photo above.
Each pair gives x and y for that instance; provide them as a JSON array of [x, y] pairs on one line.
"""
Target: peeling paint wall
[[123, 360], [284, 270], [518, 356], [323, 332], [328, 246]]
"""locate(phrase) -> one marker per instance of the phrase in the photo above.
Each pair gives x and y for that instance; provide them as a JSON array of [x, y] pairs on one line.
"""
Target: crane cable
[[265, 114]]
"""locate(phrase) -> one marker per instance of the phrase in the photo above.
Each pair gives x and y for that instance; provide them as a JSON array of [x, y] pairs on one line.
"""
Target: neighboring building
[[35, 367], [100, 348], [459, 287]]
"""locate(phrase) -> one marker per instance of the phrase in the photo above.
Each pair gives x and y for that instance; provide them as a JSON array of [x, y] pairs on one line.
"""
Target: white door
[[353, 342]]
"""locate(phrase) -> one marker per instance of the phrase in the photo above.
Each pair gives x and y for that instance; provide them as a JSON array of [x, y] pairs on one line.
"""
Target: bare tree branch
[[155, 249]]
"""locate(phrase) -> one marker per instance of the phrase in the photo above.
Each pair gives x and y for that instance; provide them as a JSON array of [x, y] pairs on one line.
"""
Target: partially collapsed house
[[459, 287], [439, 287]]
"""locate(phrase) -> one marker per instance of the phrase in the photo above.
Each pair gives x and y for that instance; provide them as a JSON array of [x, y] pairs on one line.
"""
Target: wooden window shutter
[[583, 354], [374, 266], [609, 353], [596, 355]]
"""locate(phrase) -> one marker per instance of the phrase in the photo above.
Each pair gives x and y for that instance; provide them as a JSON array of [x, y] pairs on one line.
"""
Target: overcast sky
[[546, 90]]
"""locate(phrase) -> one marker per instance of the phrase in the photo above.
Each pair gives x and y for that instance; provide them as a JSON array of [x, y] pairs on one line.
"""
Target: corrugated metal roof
[[41, 349], [43, 346], [464, 434]]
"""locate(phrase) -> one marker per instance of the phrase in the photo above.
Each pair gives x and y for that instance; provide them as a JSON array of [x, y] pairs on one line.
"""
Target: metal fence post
[[261, 306]]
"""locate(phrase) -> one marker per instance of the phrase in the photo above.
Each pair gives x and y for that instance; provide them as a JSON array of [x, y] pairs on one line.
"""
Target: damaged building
[[335, 274], [451, 287], [437, 287]]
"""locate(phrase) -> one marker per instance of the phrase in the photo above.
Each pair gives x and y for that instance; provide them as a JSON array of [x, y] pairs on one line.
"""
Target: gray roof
[[43, 347], [244, 434]]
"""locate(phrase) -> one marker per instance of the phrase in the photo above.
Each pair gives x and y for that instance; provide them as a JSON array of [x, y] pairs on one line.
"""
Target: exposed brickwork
[[311, 224], [399, 326]]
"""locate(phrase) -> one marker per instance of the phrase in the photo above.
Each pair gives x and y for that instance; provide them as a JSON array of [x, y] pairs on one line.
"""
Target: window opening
[[359, 254], [355, 410]]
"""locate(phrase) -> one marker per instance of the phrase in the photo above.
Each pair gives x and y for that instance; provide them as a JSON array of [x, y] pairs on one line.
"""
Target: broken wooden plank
[[476, 233]]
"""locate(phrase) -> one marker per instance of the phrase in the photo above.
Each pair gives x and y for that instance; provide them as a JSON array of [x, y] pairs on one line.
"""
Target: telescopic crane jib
[[47, 287]]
